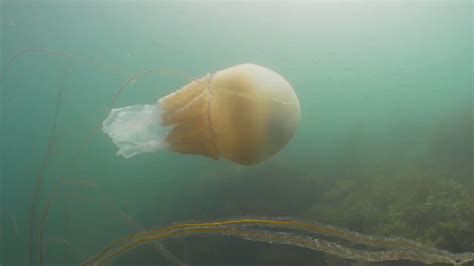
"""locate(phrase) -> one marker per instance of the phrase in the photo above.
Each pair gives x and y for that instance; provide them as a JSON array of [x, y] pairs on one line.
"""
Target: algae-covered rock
[[433, 210]]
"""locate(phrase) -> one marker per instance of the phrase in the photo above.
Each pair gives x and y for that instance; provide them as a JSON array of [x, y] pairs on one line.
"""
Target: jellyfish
[[245, 113]]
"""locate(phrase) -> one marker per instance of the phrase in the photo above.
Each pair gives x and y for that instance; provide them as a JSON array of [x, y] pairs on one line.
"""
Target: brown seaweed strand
[[86, 141], [9, 63], [43, 222], [132, 223], [46, 158], [243, 229]]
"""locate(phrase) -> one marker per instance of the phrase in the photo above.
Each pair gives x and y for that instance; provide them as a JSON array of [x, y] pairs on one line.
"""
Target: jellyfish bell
[[245, 113]]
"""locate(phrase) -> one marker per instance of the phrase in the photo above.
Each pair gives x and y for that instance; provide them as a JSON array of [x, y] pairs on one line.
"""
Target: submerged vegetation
[[429, 200], [384, 147], [416, 200], [273, 231], [435, 211]]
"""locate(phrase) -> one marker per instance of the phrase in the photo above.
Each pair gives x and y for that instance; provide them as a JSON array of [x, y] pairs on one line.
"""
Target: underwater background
[[384, 147]]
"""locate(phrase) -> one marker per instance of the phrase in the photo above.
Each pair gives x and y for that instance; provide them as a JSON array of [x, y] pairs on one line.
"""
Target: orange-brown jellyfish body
[[245, 113]]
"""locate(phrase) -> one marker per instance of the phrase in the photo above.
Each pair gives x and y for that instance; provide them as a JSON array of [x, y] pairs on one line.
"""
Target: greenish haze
[[384, 147]]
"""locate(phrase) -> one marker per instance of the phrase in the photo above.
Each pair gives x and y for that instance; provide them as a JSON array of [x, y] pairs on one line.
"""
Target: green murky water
[[384, 146]]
